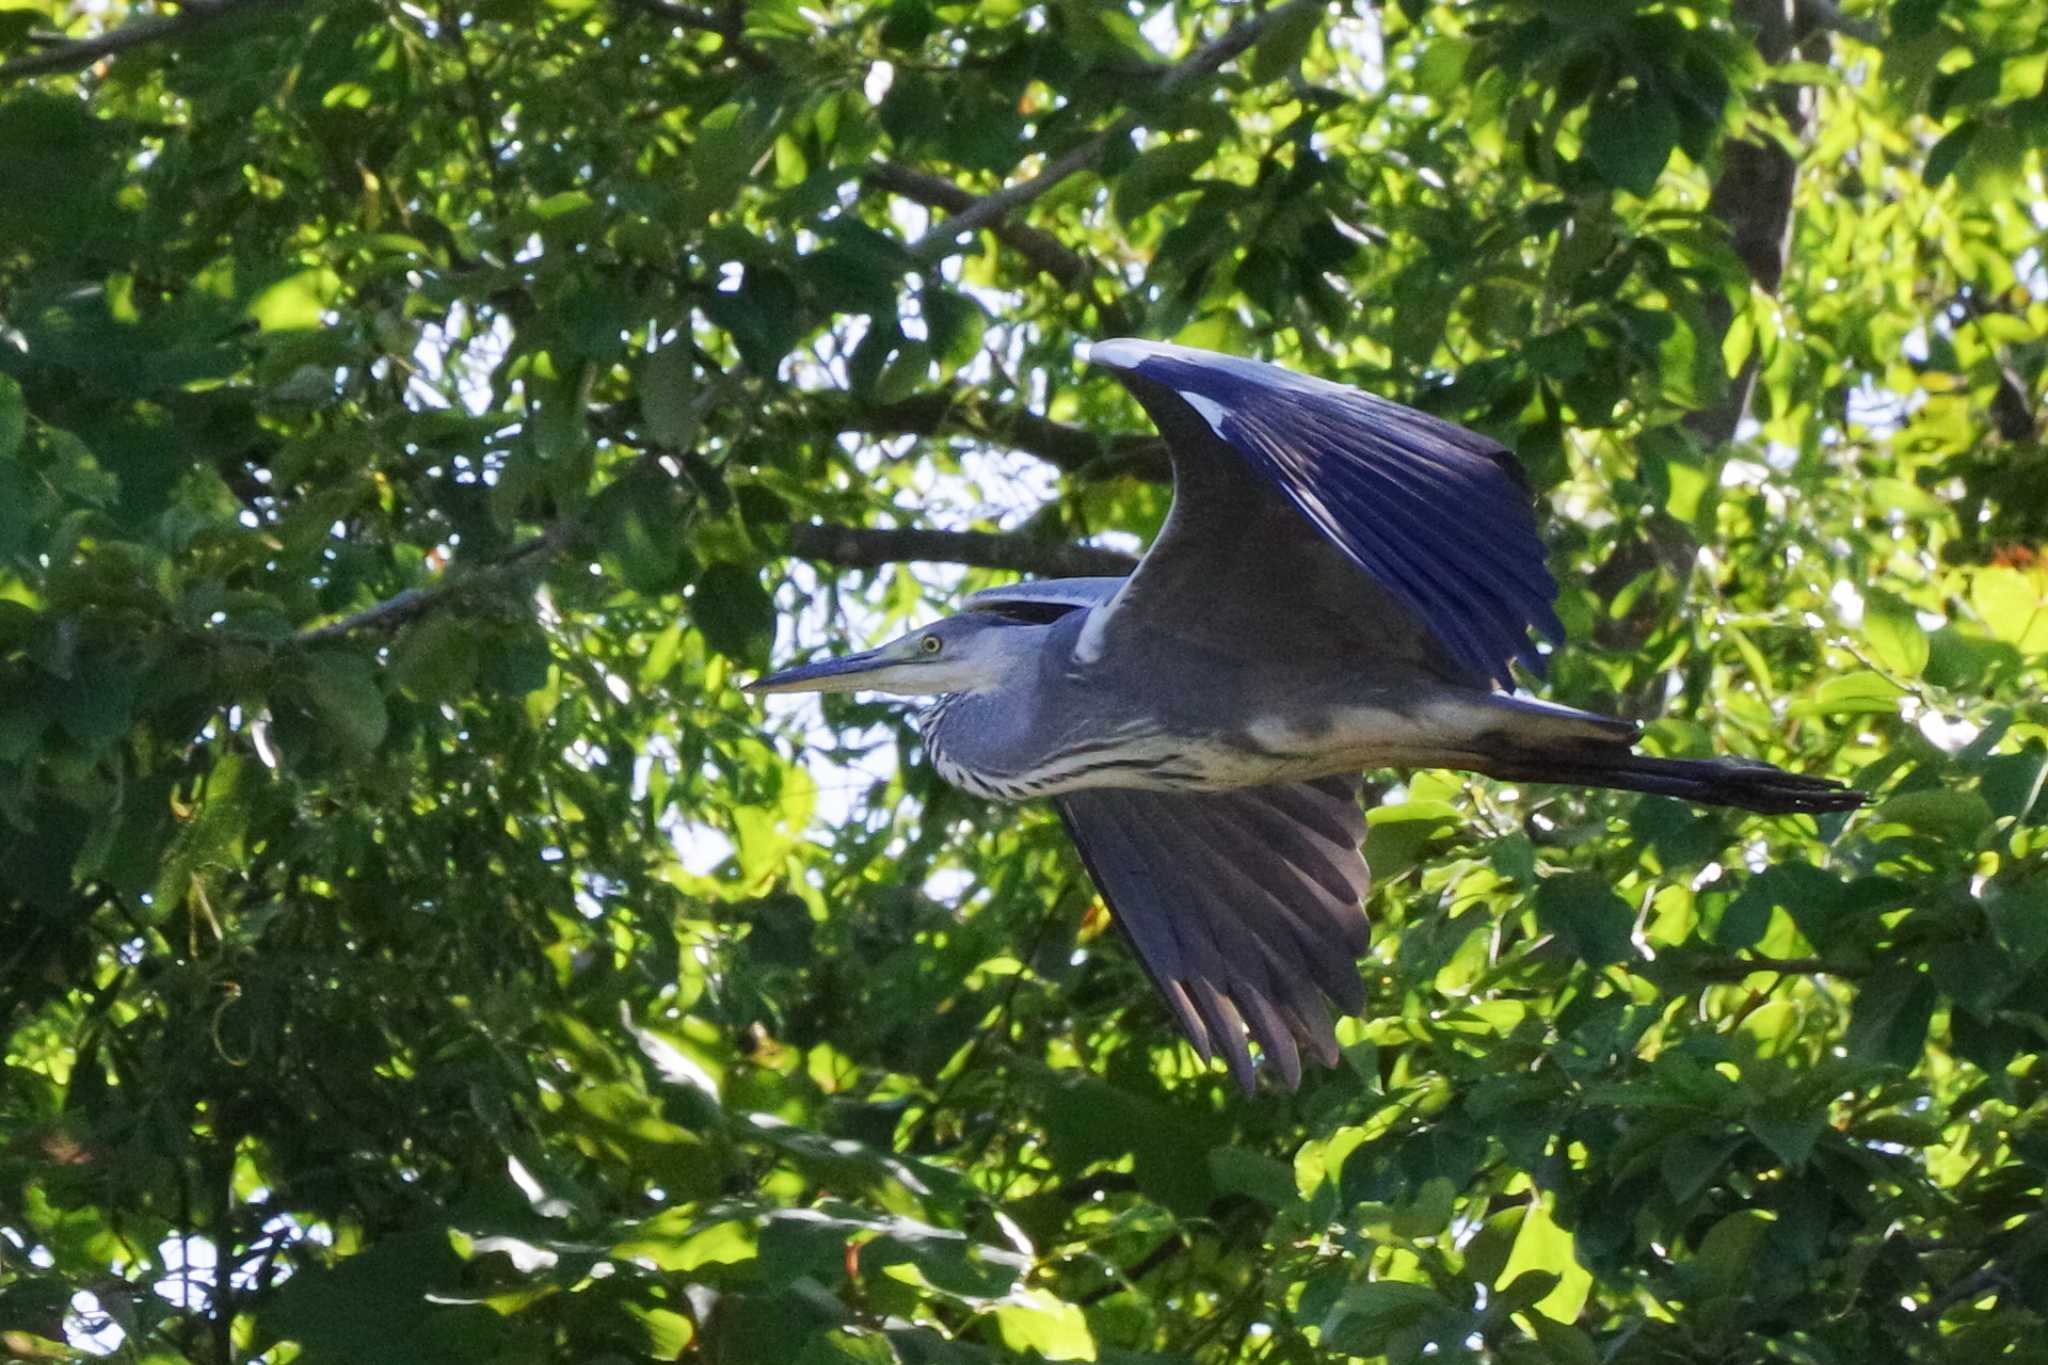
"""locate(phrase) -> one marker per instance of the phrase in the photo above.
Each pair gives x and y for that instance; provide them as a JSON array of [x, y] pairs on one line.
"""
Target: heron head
[[970, 652]]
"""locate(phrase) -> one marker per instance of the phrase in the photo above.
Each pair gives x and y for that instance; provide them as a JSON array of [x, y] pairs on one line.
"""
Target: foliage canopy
[[413, 417]]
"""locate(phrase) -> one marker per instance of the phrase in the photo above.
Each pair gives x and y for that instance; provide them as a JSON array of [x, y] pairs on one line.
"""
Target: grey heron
[[1341, 584]]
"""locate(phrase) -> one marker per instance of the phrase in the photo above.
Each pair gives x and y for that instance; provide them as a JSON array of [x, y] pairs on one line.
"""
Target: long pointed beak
[[844, 674]]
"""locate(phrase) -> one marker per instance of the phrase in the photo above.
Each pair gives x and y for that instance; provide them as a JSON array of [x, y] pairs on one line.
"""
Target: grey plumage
[[1342, 584]]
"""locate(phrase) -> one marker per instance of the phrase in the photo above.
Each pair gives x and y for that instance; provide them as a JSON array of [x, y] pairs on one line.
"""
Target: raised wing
[[1438, 517], [1244, 908]]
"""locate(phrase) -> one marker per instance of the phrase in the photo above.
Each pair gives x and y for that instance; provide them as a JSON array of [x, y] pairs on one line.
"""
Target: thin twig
[[1040, 248], [944, 237], [83, 52], [863, 547], [2023, 1242], [1176, 1244], [1740, 968], [402, 607], [557, 536]]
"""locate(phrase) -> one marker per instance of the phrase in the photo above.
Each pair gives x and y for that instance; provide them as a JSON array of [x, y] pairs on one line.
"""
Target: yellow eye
[[931, 644]]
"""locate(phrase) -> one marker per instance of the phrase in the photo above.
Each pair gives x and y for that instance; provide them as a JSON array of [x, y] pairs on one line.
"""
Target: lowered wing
[[1244, 908]]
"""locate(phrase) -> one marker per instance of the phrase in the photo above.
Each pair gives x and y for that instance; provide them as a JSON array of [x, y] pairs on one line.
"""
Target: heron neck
[[988, 742]]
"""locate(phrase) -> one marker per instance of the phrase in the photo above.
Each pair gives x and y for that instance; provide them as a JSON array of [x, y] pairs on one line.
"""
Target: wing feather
[[1243, 907], [1439, 517]]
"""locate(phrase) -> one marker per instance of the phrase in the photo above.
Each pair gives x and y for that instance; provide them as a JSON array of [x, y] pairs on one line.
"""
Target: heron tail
[[1744, 783]]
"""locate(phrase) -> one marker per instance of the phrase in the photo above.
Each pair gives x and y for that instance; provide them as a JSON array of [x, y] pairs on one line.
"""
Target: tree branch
[[557, 536], [83, 52], [729, 26], [2022, 1243], [944, 237], [861, 547], [1826, 14], [1040, 248], [952, 411], [395, 611], [1753, 197], [1739, 968]]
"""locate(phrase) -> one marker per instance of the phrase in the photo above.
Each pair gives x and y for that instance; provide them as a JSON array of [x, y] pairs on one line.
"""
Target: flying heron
[[1341, 584]]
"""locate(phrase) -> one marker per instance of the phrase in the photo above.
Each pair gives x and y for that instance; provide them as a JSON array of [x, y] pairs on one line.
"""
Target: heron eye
[[931, 644]]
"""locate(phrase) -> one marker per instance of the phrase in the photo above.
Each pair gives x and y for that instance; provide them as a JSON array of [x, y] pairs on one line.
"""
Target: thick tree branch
[[81, 53], [861, 547], [944, 237], [952, 411], [1753, 197], [956, 413], [852, 547]]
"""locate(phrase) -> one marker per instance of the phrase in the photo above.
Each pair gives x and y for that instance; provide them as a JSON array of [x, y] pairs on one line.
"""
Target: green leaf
[[517, 665], [13, 418], [1564, 1343], [1947, 154], [734, 612], [1368, 1313], [1441, 72], [955, 323], [1281, 48], [437, 660], [1689, 1161], [1629, 137], [1398, 837], [1894, 633], [2013, 605], [1430, 1212], [374, 1308], [1961, 817], [763, 315], [667, 390], [1034, 1320], [1891, 1014], [1583, 911], [644, 538], [592, 318], [1541, 1245], [345, 696], [2012, 783], [1729, 1255], [1255, 1174], [96, 706], [764, 833], [298, 302], [1158, 174], [1861, 693], [1788, 1136]]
